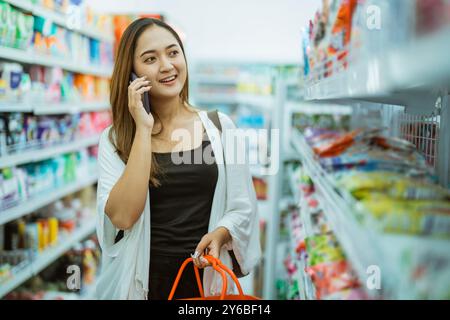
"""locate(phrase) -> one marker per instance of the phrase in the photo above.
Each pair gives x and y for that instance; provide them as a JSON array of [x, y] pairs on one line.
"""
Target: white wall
[[230, 30]]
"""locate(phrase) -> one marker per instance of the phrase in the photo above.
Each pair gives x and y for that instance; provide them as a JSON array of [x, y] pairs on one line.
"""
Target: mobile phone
[[145, 98]]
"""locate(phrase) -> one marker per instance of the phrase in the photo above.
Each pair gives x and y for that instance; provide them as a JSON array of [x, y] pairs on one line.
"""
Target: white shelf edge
[[42, 154], [46, 258], [215, 79], [31, 57], [70, 107], [38, 201], [314, 108], [218, 98], [60, 19], [10, 106], [259, 102]]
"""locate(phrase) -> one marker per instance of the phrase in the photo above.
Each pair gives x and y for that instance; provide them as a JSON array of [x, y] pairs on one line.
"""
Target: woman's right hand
[[135, 91]]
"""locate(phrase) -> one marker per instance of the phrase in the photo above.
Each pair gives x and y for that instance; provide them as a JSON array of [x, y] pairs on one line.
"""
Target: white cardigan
[[125, 265]]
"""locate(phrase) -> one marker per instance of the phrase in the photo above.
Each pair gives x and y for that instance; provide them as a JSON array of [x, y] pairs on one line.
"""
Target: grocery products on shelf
[[345, 32], [319, 261], [388, 176], [85, 14], [39, 86], [384, 185], [17, 184], [51, 283], [39, 35], [31, 238], [23, 131]]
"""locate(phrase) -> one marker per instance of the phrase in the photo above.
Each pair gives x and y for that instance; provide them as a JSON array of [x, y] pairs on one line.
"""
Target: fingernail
[[196, 254]]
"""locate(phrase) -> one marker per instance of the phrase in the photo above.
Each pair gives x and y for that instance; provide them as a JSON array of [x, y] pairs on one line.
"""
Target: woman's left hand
[[212, 243]]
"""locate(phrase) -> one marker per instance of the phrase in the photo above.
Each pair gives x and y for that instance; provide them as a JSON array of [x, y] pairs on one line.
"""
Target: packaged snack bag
[[419, 217]]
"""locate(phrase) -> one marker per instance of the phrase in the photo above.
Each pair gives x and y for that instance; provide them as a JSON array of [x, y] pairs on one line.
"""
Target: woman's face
[[159, 57]]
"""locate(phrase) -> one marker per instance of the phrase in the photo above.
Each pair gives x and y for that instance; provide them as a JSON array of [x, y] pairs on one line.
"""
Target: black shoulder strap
[[214, 117]]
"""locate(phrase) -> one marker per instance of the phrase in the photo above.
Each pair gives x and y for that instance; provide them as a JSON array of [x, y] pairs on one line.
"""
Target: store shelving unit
[[404, 85], [306, 285], [53, 107], [259, 102], [47, 257], [31, 57], [215, 98], [71, 107], [46, 153], [64, 20], [217, 79], [34, 153], [372, 247], [39, 201], [392, 76]]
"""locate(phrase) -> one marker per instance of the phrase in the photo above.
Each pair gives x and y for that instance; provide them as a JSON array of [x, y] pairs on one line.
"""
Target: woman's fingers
[[139, 82], [143, 89], [136, 86], [201, 249]]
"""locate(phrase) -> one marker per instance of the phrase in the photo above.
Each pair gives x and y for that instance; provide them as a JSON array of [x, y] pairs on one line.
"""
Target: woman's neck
[[167, 109]]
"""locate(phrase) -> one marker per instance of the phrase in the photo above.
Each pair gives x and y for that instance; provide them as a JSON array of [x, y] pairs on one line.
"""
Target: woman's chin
[[167, 93]]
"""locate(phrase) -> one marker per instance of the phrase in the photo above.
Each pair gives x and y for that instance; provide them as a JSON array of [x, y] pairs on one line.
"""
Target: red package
[[332, 277]]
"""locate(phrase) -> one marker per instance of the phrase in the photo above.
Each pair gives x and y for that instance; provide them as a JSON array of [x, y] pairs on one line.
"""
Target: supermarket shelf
[[217, 98], [8, 106], [305, 284], [259, 172], [46, 153], [315, 108], [216, 79], [39, 201], [413, 67], [54, 107], [364, 243], [60, 19], [30, 57], [71, 107], [362, 253], [47, 257], [299, 201], [259, 102]]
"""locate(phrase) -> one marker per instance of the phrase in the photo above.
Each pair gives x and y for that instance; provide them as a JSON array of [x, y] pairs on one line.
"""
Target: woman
[[154, 211]]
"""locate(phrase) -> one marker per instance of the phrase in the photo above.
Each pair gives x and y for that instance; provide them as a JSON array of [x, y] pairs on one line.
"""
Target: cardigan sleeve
[[240, 217], [110, 169]]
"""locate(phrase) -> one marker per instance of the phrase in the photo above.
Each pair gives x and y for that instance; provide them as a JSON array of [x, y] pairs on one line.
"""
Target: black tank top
[[181, 206]]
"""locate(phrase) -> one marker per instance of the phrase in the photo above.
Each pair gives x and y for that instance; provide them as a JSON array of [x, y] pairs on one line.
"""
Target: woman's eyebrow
[[153, 51]]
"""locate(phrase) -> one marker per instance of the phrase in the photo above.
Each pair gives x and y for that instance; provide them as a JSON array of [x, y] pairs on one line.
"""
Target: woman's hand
[[135, 91], [212, 243]]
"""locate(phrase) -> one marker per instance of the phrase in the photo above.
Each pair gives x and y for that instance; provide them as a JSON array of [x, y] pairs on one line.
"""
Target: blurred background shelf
[[27, 156], [64, 20], [392, 76], [38, 201], [30, 57], [47, 257]]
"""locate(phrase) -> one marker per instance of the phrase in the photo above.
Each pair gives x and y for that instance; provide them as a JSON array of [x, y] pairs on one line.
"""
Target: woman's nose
[[165, 65]]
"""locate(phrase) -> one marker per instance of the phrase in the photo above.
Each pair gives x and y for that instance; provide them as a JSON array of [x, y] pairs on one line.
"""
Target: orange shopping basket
[[217, 265]]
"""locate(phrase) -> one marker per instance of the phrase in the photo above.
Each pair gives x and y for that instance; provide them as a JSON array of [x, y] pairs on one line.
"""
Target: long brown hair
[[124, 127]]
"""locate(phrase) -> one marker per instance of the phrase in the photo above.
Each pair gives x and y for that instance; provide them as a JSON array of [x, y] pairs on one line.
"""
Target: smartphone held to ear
[[145, 97]]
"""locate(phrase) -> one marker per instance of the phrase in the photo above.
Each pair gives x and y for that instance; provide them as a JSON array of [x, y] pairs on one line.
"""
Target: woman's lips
[[168, 83]]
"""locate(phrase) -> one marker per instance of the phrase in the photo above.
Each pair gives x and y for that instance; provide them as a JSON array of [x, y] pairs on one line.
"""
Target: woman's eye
[[173, 53], [151, 59]]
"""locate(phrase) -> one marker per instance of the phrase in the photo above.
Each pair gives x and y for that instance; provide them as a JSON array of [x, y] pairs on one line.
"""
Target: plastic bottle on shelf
[[11, 74]]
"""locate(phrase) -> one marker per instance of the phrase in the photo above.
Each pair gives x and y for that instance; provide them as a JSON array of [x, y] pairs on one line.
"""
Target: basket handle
[[214, 265]]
